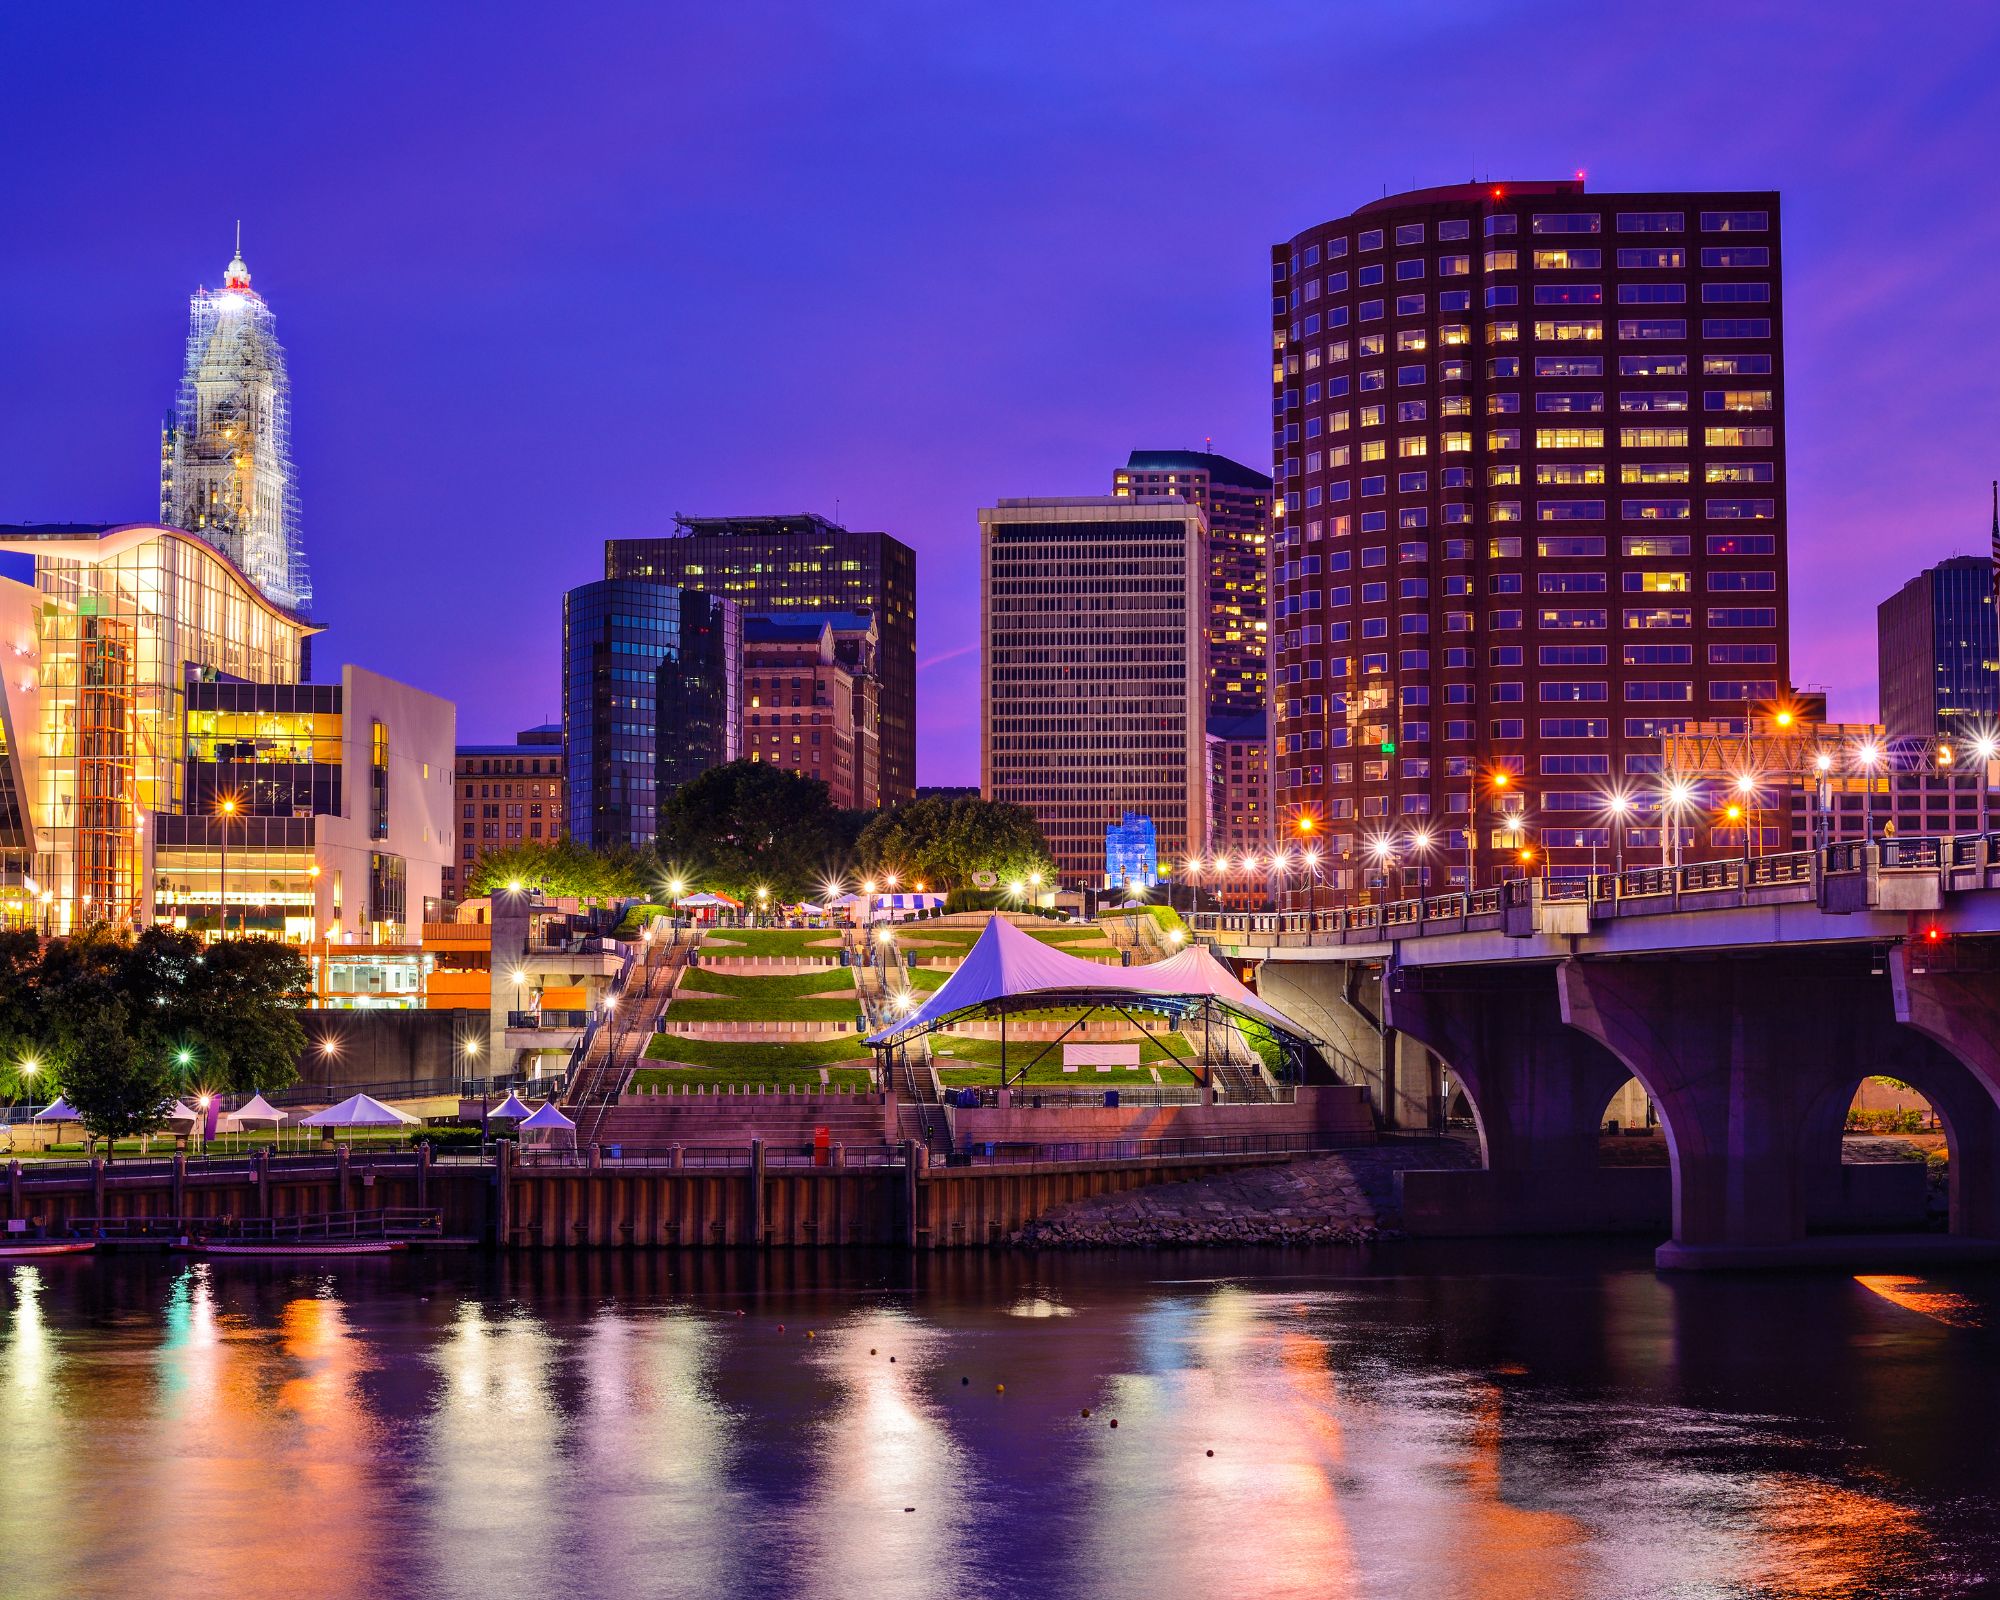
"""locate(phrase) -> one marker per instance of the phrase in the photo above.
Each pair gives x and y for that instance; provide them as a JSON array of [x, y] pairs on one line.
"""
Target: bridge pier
[[1341, 1001], [1753, 1064], [1538, 1090]]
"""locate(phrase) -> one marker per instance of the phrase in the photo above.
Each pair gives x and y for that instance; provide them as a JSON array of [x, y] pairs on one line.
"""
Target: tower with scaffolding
[[226, 471]]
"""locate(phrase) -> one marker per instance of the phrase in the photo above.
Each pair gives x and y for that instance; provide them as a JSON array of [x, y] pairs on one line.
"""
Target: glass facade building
[[774, 564], [652, 675], [1938, 652], [1529, 449]]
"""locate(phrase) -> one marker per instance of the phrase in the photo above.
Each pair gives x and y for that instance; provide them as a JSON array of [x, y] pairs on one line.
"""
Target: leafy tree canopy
[[943, 842], [567, 867], [117, 1023], [749, 825]]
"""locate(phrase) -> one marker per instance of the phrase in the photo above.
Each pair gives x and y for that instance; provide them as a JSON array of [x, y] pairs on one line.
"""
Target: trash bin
[[617, 1152], [1110, 1099]]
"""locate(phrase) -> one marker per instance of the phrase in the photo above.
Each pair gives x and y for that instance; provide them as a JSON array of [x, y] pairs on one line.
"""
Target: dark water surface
[[1540, 1421]]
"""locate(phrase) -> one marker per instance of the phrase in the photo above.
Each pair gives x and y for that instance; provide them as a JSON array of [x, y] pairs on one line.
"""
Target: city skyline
[[689, 288]]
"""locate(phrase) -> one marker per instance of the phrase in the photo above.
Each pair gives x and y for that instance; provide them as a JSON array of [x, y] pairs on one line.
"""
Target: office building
[[1938, 652], [1237, 503], [1094, 670], [810, 700], [1241, 819], [226, 470], [651, 684], [164, 762], [770, 564], [1529, 443], [507, 794]]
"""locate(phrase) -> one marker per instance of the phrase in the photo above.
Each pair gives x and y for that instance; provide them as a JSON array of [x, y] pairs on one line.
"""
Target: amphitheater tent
[[1006, 964]]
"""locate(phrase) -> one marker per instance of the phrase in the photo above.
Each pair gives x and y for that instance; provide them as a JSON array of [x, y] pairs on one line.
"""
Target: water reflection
[[1539, 1424]]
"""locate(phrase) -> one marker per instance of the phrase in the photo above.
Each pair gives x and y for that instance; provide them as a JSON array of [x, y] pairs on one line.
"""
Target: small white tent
[[547, 1126], [57, 1110], [359, 1111], [512, 1109]]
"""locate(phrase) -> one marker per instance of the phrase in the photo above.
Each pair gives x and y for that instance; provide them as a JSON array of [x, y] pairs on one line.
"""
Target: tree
[[567, 867], [241, 1015], [118, 1088], [942, 843], [748, 825]]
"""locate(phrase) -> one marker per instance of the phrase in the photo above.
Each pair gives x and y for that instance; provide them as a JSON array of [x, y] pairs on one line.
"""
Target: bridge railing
[[1416, 914]]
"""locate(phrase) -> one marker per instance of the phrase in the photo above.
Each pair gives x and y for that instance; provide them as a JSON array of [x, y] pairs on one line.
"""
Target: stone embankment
[[1347, 1197]]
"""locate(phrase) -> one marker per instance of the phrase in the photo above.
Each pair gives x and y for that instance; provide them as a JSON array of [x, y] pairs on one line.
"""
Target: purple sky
[[566, 271]]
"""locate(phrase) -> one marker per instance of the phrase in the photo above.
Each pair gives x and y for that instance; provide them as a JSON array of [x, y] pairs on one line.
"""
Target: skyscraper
[[770, 564], [1938, 651], [652, 680], [226, 454], [1095, 671], [1530, 443], [1237, 503]]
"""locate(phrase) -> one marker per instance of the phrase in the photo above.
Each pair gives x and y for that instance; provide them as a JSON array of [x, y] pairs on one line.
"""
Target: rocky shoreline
[[1347, 1197]]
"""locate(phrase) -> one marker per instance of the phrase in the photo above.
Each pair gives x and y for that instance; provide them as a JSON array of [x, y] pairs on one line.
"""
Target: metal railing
[[1194, 1147], [1417, 914], [548, 1019]]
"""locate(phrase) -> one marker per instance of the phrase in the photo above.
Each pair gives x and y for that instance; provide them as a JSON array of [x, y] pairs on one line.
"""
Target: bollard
[[756, 1191], [596, 1156], [676, 1157]]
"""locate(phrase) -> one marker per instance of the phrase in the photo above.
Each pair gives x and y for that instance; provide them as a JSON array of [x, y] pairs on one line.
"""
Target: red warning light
[[1933, 935]]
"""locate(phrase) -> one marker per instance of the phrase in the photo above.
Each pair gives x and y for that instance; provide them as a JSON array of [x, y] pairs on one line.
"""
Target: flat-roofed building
[[809, 701], [507, 794], [1095, 666]]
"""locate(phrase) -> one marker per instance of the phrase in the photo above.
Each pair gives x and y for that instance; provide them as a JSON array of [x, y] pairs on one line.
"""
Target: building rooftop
[[1219, 468]]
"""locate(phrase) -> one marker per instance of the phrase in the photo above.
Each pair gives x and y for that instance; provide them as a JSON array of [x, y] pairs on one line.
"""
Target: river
[[1531, 1420]]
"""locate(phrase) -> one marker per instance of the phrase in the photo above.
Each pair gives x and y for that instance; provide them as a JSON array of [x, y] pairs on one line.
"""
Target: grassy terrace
[[777, 986], [749, 1008], [771, 942], [734, 1055], [665, 1079], [950, 1049]]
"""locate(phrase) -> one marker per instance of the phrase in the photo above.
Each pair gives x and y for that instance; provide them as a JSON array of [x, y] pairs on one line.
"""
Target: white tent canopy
[[256, 1109], [547, 1119], [181, 1111], [57, 1110], [358, 1111], [1005, 964], [512, 1109]]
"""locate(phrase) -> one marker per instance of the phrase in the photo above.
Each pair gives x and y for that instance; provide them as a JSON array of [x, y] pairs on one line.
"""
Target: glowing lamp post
[[1984, 749]]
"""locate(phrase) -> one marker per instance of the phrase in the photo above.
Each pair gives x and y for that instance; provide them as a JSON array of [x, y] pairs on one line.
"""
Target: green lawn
[[667, 1078], [1049, 1071], [743, 1008], [734, 1054], [771, 942], [986, 1052], [777, 986], [638, 917]]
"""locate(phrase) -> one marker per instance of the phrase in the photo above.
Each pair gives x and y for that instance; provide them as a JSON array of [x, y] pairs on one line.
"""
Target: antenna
[[239, 236]]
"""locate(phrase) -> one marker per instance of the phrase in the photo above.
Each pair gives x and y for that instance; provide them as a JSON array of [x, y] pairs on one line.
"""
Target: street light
[[225, 811], [1984, 748], [1868, 757], [1619, 805], [1679, 794]]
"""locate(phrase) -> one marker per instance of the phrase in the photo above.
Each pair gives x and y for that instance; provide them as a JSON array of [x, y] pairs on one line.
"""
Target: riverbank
[[1345, 1197]]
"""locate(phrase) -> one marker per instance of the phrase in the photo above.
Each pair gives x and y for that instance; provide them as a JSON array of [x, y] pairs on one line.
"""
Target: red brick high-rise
[[1529, 452]]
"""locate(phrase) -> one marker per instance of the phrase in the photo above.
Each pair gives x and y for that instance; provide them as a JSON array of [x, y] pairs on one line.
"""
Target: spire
[[236, 275]]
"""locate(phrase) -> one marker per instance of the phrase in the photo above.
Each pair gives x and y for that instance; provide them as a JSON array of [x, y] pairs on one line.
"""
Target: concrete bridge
[[1748, 998]]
